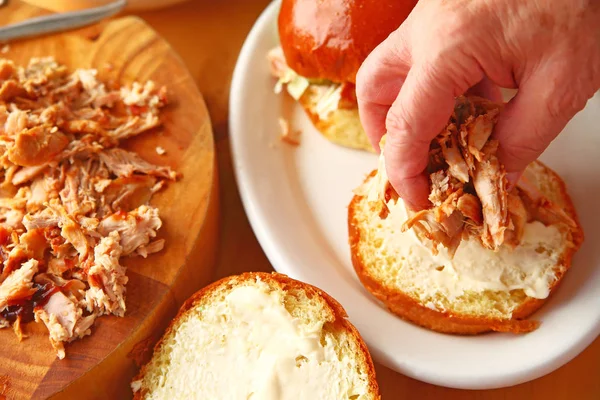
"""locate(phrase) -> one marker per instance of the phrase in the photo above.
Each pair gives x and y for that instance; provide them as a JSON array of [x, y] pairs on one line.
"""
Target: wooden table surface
[[208, 35]]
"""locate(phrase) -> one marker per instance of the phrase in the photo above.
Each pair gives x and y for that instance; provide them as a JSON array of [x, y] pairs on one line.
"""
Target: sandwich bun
[[329, 39], [263, 336]]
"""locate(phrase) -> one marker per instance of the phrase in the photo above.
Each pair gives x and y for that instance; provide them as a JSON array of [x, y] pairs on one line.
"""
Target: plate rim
[[277, 258]]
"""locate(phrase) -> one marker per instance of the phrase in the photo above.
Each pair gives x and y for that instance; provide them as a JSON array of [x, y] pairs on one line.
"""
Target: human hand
[[548, 49]]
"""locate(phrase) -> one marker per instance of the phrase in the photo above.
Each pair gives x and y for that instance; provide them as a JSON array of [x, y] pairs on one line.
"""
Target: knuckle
[[400, 44], [565, 104], [361, 80], [522, 154], [453, 69], [364, 85], [458, 23], [555, 109], [453, 26], [397, 124], [564, 93], [528, 151], [404, 160]]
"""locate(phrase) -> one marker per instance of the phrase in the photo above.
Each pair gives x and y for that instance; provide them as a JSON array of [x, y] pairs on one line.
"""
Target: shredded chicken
[[151, 248], [107, 278], [287, 135], [125, 163], [19, 284], [469, 190], [72, 203], [539, 207], [135, 228]]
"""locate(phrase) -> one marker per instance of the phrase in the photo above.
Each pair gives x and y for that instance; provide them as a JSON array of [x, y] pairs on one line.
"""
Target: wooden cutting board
[[101, 365]]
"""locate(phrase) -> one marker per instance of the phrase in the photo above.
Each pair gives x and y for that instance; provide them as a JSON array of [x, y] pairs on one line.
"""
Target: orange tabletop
[[208, 34]]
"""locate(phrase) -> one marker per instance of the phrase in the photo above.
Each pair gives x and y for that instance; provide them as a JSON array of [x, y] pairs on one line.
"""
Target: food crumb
[[5, 49], [136, 386], [159, 185], [160, 151], [18, 329], [287, 135]]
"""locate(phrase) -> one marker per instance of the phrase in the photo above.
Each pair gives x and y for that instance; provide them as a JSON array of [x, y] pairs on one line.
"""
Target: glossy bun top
[[329, 39]]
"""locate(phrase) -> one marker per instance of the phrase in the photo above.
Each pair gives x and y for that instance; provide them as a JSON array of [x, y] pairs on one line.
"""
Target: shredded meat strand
[[72, 202], [469, 190]]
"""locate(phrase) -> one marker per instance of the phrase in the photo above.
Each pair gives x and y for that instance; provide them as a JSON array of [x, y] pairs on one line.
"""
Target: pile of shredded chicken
[[469, 191], [72, 203]]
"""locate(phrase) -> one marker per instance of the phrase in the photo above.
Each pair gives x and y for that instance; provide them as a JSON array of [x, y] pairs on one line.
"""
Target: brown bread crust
[[329, 39], [337, 132], [286, 283], [411, 310]]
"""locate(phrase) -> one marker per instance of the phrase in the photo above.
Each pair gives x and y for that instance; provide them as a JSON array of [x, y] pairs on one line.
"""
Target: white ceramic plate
[[297, 197]]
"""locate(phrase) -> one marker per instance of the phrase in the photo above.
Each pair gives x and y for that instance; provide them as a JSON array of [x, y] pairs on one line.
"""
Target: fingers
[[420, 112], [405, 169], [487, 89], [531, 121], [378, 83]]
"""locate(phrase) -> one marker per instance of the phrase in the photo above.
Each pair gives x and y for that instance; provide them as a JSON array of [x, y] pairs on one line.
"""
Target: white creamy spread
[[253, 348], [529, 267]]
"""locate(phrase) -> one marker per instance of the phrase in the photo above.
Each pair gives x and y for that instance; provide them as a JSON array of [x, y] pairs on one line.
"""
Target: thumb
[[418, 114], [531, 121]]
